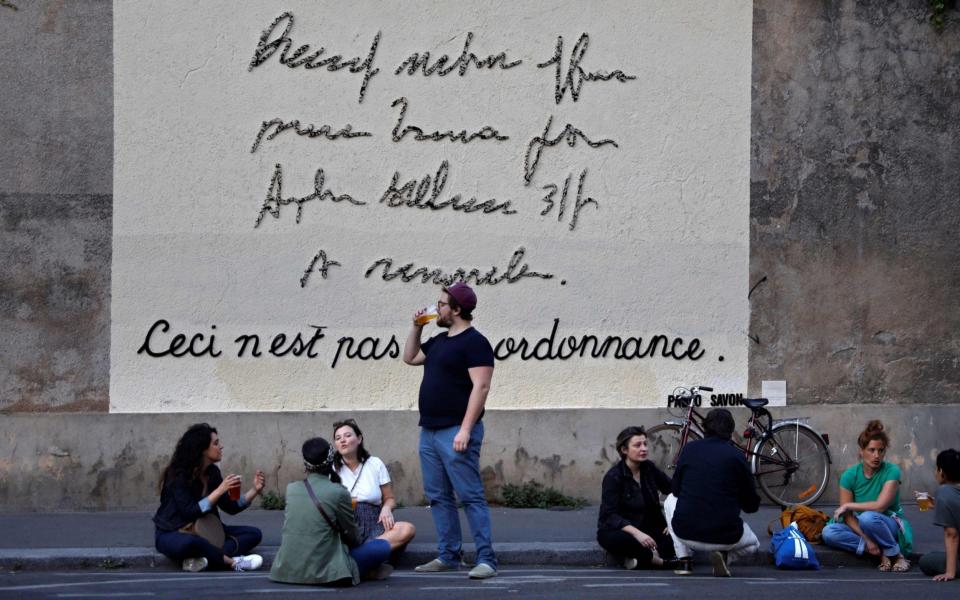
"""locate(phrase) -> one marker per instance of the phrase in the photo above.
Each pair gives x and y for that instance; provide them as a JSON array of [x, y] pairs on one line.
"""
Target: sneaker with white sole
[[719, 562], [250, 562], [379, 573], [195, 565], [434, 566], [629, 563], [482, 571]]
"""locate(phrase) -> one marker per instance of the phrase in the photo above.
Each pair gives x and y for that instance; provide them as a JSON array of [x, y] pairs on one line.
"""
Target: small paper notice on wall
[[775, 392]]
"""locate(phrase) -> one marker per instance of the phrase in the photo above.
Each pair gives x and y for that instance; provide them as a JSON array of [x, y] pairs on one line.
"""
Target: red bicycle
[[788, 457]]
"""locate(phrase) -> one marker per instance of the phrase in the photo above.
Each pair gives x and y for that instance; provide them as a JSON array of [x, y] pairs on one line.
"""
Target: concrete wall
[[56, 205], [854, 203], [101, 462]]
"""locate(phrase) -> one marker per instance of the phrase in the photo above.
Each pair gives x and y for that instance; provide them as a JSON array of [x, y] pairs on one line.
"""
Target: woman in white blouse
[[368, 481]]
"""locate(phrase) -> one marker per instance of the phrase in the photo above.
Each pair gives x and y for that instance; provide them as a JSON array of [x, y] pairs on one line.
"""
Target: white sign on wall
[[294, 179]]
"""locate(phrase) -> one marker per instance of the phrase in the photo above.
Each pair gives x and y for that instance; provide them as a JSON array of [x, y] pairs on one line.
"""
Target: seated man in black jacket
[[711, 485]]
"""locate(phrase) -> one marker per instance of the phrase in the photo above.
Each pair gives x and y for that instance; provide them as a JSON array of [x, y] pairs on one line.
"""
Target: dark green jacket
[[310, 551]]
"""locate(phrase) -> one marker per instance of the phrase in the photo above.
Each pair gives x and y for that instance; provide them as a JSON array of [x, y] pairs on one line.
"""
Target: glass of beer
[[924, 501], [235, 491], [429, 313], [353, 501]]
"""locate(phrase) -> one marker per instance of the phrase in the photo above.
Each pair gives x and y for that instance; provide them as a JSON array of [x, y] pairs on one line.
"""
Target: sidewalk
[[66, 541]]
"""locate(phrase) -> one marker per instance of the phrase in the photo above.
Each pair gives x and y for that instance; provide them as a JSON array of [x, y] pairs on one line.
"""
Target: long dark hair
[[362, 454], [187, 458], [318, 458]]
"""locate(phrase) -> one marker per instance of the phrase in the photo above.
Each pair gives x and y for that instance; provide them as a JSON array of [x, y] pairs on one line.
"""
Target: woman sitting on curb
[[320, 543], [191, 486], [631, 525], [368, 481], [870, 518]]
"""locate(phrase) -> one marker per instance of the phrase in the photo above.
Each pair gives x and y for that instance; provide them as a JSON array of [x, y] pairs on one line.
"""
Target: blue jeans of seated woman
[[180, 546], [878, 527], [446, 472]]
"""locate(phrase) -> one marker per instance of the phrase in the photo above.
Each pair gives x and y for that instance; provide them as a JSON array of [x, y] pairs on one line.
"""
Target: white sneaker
[[482, 571], [630, 563], [250, 562], [195, 564]]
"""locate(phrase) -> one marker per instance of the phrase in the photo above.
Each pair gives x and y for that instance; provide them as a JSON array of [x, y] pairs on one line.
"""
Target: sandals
[[902, 565]]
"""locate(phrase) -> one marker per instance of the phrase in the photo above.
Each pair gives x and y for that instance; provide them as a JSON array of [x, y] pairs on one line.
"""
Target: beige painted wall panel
[[665, 251]]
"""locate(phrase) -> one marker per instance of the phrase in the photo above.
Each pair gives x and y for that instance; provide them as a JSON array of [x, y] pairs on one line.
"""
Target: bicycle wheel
[[663, 445], [792, 465]]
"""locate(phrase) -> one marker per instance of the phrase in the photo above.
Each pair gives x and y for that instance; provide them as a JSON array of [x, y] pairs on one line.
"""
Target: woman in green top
[[320, 543], [870, 518]]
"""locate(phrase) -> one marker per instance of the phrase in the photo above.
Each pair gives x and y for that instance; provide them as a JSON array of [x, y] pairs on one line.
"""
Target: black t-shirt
[[446, 386]]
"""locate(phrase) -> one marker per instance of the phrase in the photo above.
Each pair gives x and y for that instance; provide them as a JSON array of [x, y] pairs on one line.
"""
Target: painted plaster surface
[[205, 239], [854, 203]]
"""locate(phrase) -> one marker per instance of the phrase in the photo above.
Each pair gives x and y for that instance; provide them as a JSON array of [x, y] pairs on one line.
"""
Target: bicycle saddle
[[754, 403]]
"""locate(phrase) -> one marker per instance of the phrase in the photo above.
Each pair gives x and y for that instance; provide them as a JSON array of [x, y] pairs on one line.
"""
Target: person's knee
[[256, 536], [933, 563], [404, 531], [831, 533], [870, 519]]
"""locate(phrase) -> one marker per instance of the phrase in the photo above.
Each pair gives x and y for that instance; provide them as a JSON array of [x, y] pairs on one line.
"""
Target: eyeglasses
[[441, 304]]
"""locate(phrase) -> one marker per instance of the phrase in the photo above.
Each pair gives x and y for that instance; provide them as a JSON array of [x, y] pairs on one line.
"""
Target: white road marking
[[111, 595], [593, 585], [462, 587], [284, 589], [44, 586]]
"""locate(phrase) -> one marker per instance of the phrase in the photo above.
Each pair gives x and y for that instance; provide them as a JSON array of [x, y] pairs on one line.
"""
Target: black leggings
[[180, 546], [623, 545]]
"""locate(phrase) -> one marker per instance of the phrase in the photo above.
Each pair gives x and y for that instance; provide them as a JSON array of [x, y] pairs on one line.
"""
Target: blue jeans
[[179, 546], [370, 555], [878, 527], [446, 471]]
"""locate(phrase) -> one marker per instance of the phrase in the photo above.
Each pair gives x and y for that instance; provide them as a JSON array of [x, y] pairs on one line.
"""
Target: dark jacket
[[180, 500], [625, 502], [712, 484]]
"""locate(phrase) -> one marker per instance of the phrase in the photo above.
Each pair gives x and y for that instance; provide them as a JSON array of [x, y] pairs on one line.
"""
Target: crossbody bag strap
[[357, 480], [326, 517]]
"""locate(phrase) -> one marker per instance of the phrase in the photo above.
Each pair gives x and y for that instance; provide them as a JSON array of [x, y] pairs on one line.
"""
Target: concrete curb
[[580, 554]]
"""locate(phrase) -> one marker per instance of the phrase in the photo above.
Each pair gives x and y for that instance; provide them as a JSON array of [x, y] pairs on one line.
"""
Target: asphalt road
[[518, 582]]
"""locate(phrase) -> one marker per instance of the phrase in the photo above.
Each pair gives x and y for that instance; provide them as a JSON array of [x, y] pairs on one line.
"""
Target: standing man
[[457, 368]]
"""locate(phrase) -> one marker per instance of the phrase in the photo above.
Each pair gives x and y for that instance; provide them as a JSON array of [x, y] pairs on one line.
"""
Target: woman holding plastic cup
[[368, 481], [192, 489]]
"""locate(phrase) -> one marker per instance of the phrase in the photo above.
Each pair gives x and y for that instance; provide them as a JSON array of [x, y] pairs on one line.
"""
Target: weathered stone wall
[[56, 185], [855, 202]]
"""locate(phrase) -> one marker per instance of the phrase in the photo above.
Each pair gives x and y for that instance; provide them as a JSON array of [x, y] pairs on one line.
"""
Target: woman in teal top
[[870, 518]]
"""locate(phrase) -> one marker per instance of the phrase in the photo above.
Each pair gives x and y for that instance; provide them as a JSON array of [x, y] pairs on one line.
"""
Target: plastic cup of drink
[[353, 501], [924, 501], [235, 491], [429, 313]]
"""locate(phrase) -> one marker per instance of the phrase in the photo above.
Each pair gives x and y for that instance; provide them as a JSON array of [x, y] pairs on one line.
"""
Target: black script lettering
[[275, 197], [309, 130], [303, 57], [246, 338], [367, 349], [436, 275], [579, 202], [325, 264], [485, 133], [562, 348], [179, 346], [576, 76], [414, 193], [421, 61], [297, 345], [570, 134]]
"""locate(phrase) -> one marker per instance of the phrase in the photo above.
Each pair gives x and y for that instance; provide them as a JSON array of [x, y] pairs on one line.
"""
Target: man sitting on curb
[[711, 485]]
